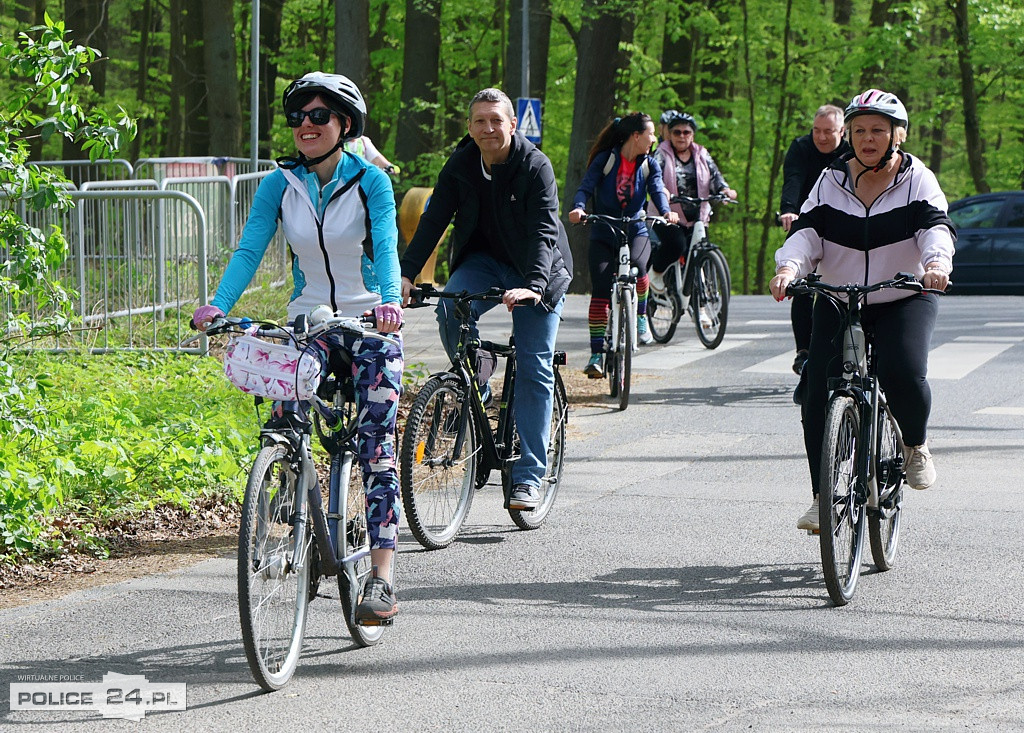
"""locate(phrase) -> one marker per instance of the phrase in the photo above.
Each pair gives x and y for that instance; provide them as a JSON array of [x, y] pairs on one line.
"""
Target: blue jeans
[[535, 331]]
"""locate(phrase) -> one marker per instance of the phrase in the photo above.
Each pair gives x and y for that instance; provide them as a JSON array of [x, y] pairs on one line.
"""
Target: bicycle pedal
[[376, 622]]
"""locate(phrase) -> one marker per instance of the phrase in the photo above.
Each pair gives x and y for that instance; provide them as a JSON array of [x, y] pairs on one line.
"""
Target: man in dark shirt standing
[[500, 189], [807, 157]]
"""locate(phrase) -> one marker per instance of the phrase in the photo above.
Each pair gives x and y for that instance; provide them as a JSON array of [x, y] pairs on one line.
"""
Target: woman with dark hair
[[337, 212], [620, 174]]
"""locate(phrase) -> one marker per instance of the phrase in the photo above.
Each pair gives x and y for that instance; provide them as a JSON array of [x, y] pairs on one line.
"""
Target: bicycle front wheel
[[354, 538], [274, 558], [439, 460], [884, 522], [710, 299], [555, 458], [840, 510], [624, 356]]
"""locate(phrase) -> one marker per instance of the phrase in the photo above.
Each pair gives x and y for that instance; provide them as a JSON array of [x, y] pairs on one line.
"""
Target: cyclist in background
[[500, 189], [689, 170], [338, 215], [807, 156], [364, 146], [620, 174], [874, 212]]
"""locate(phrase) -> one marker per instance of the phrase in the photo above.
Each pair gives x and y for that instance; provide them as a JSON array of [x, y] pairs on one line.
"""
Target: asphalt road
[[668, 591]]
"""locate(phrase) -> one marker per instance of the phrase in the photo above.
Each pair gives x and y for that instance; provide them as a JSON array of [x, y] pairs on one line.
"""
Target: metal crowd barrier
[[144, 252]]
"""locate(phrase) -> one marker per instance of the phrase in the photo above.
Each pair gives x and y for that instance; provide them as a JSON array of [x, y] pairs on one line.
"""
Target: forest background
[[751, 71]]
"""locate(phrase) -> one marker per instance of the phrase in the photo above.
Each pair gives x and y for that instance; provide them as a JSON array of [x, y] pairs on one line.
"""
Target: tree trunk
[[221, 63], [972, 131], [146, 124], [377, 128], [677, 60], [197, 124], [174, 143], [422, 52], [351, 34], [28, 13], [714, 89], [87, 23], [540, 37], [842, 12], [270, 42], [594, 96]]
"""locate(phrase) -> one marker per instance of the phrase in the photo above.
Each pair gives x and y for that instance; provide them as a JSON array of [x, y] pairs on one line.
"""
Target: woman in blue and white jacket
[[620, 174], [873, 213], [337, 212]]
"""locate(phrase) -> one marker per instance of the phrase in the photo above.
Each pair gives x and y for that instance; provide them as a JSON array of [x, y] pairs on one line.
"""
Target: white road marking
[[768, 323], [991, 339], [1000, 411], [676, 354], [781, 364], [957, 359], [1005, 324]]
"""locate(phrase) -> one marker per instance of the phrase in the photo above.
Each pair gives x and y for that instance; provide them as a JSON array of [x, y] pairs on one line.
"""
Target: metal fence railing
[[144, 252]]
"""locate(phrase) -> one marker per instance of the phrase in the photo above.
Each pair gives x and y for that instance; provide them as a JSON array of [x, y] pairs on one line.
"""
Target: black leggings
[[675, 242], [800, 313], [604, 262], [902, 333]]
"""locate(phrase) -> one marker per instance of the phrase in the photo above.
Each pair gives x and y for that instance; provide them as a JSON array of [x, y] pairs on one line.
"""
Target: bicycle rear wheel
[[624, 356], [884, 522], [840, 510], [354, 537], [439, 471], [555, 458], [664, 310], [274, 558], [710, 299]]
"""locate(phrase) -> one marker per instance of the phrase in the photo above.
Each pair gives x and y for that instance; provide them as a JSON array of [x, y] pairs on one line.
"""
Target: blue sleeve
[[259, 229], [595, 171], [656, 187], [380, 200]]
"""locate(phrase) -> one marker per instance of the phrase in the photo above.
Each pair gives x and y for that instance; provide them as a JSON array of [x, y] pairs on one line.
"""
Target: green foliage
[[95, 437]]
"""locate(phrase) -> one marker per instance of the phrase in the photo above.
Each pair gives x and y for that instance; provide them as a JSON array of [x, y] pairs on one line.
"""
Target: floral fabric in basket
[[272, 370]]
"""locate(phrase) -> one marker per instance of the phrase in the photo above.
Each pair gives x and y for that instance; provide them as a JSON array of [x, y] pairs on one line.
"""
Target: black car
[[989, 255]]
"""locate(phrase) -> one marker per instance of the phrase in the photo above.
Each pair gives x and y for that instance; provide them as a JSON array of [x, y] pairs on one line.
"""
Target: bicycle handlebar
[[359, 326], [418, 295], [812, 284], [713, 198]]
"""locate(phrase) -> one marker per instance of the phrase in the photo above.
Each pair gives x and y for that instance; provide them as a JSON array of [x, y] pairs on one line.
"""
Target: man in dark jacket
[[807, 157], [501, 191]]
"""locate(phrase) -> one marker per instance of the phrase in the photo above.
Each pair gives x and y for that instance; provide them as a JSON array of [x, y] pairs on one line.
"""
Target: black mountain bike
[[452, 443], [862, 471]]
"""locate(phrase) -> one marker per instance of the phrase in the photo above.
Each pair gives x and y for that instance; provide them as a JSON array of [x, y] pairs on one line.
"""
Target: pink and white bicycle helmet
[[877, 102]]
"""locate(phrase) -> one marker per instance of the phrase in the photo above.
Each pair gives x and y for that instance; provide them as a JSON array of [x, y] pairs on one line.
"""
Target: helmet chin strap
[[290, 163]]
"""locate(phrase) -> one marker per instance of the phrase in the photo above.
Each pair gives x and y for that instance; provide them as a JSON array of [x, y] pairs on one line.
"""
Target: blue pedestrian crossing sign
[[528, 114]]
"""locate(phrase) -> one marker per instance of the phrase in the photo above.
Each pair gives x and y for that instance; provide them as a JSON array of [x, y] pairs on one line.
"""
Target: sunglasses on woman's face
[[318, 116]]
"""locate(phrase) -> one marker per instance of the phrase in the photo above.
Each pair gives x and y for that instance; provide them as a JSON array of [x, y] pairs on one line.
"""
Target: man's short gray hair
[[496, 96], [830, 110]]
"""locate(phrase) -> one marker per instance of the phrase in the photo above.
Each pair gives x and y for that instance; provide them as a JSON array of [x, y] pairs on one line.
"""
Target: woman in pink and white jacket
[[872, 213], [688, 169]]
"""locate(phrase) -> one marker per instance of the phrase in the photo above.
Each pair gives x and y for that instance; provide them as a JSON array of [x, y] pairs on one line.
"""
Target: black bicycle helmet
[[672, 118], [877, 102]]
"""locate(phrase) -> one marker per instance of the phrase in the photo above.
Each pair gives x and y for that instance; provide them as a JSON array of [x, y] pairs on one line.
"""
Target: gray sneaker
[[379, 602], [524, 497], [920, 466], [809, 519]]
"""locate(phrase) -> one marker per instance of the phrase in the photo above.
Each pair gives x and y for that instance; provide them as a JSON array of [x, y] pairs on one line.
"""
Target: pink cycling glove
[[389, 314], [204, 315]]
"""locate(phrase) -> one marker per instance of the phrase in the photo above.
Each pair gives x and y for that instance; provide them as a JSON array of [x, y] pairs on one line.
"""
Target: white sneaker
[[643, 331], [919, 466], [705, 321], [809, 519], [657, 280]]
